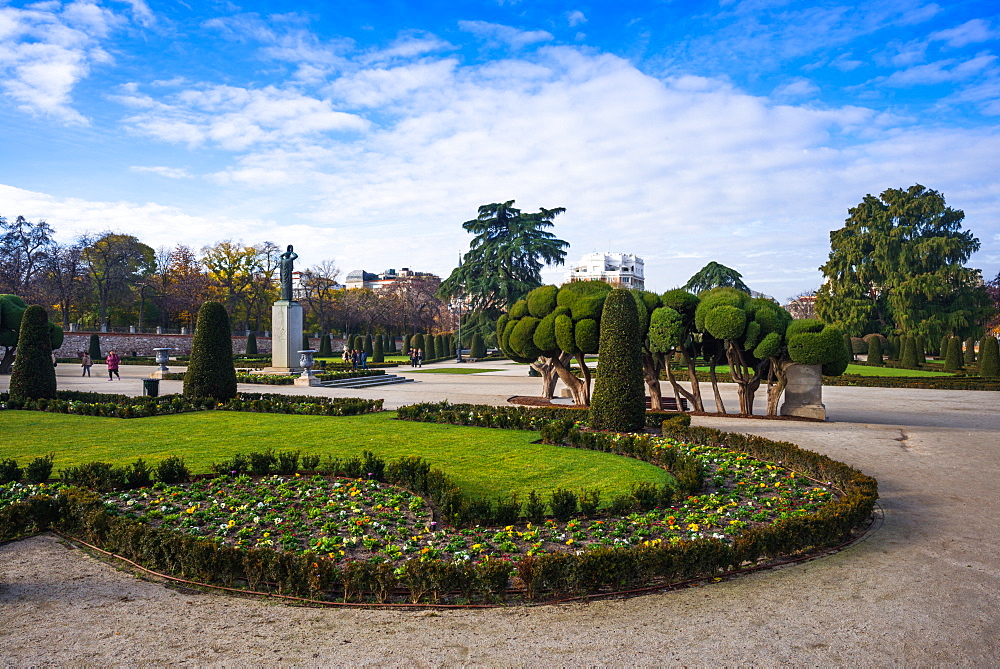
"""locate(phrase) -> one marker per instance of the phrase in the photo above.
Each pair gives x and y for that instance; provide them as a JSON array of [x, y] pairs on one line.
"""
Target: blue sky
[[366, 132]]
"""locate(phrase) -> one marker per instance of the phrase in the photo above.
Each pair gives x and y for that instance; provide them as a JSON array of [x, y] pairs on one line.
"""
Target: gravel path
[[922, 589]]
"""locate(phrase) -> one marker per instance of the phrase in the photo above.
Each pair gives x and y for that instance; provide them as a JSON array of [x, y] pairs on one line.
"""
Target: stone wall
[[143, 344]]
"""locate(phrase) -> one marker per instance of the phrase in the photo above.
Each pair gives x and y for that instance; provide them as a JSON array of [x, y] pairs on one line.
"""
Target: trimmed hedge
[[33, 375], [619, 401], [211, 372]]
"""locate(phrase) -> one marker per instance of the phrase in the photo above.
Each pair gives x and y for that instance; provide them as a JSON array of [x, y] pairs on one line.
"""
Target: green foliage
[[943, 347], [564, 504], [588, 335], [369, 348], [251, 344], [565, 334], [521, 340], [378, 355], [875, 351], [542, 300], [505, 257], [545, 335], [417, 341], [718, 297], [953, 359], [11, 311], [989, 357], [725, 322], [714, 275], [95, 347], [211, 372], [10, 471], [441, 346], [619, 396], [39, 469], [407, 344], [33, 375], [970, 351], [898, 265], [909, 358], [477, 349], [812, 343], [768, 346], [392, 343], [666, 329]]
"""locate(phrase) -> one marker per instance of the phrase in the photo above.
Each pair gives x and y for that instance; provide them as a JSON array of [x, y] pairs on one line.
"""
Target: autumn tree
[[116, 263]]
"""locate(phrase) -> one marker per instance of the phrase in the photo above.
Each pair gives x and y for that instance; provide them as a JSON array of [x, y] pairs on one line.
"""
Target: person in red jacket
[[113, 360]]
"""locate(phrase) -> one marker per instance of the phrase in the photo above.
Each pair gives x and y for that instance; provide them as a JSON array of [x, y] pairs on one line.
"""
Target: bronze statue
[[287, 262]]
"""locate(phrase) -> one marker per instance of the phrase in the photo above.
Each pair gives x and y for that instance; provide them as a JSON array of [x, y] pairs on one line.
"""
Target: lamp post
[[458, 357]]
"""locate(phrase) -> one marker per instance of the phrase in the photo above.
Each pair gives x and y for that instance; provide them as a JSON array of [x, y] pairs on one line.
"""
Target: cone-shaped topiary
[[417, 341], [407, 340], [392, 343], [324, 346], [909, 357], [989, 357], [970, 351], [478, 349], [441, 346], [943, 348], [211, 372], [430, 347], [306, 346], [849, 345], [252, 344], [33, 375], [378, 354], [953, 359], [95, 347], [921, 349], [619, 402], [369, 348], [875, 351]]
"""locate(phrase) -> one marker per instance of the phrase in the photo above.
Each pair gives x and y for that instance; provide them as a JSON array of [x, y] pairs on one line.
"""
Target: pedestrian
[[364, 359], [85, 362], [420, 357], [413, 357], [355, 359], [346, 356], [113, 360]]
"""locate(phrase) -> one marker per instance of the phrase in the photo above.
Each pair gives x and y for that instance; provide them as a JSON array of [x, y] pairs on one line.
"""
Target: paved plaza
[[922, 589]]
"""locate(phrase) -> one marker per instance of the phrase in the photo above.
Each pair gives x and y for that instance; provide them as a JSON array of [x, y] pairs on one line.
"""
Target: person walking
[[86, 362], [113, 361], [364, 359], [420, 357]]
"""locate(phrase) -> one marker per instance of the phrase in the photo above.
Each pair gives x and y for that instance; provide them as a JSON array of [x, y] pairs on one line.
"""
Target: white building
[[361, 279], [618, 269]]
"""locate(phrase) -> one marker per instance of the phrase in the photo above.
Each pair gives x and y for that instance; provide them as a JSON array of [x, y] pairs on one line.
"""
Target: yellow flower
[[693, 527]]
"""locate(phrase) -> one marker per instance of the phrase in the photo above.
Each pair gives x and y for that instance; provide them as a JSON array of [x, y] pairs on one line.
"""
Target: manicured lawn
[[859, 370], [453, 370], [480, 460]]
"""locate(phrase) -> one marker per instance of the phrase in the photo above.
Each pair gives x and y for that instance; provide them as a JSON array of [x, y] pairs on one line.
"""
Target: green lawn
[[860, 370], [480, 460], [453, 370]]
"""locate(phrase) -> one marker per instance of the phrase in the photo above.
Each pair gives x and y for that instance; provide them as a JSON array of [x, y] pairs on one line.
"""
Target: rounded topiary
[[33, 375], [909, 357], [478, 348], [251, 344], [95, 347], [565, 333], [953, 358], [545, 334], [522, 337], [407, 341], [542, 300], [875, 351], [519, 309], [587, 334], [859, 345], [970, 351], [725, 322], [816, 348], [378, 355], [768, 346], [718, 297], [666, 327], [211, 372], [619, 401], [989, 357]]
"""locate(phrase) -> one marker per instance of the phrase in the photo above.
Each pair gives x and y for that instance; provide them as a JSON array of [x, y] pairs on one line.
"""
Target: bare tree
[[802, 305], [319, 291], [24, 251], [66, 277]]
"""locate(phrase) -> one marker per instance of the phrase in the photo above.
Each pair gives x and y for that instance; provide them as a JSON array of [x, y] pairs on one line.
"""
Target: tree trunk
[[679, 392], [775, 389], [699, 404], [719, 406], [651, 375]]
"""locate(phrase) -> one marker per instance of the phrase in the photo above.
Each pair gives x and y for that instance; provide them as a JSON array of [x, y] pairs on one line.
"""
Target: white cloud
[[46, 49], [496, 34], [970, 32], [946, 70], [575, 18], [168, 172], [799, 87]]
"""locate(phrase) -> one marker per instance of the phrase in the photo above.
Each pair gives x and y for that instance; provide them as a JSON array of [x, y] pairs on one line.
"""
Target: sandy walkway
[[923, 589]]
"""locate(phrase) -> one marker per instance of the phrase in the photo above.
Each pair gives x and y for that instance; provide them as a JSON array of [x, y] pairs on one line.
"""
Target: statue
[[287, 261]]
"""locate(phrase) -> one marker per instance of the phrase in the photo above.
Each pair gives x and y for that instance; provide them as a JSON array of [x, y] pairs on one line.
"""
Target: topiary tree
[[921, 349], [943, 348], [211, 372], [441, 346], [619, 402], [430, 347], [406, 344], [95, 347], [306, 346], [392, 342], [33, 375], [909, 358], [953, 358], [808, 342], [478, 348], [989, 357], [251, 344], [325, 349], [970, 351], [417, 341], [12, 310], [369, 348], [875, 352], [378, 355]]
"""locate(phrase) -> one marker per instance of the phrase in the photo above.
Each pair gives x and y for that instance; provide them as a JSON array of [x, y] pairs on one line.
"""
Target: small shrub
[[590, 500], [507, 510], [310, 462], [138, 475], [556, 431], [40, 469], [989, 358], [10, 471], [99, 476], [564, 504], [287, 462], [534, 509], [622, 505], [261, 464], [172, 470], [237, 464], [646, 495]]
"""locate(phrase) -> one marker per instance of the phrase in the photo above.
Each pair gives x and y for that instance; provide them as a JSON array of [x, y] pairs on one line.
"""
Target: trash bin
[[151, 387]]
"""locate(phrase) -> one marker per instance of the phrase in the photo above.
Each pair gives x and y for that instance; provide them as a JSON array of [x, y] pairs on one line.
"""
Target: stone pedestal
[[286, 322], [804, 392]]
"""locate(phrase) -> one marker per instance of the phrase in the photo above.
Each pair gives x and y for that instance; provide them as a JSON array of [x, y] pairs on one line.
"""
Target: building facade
[[623, 270], [359, 278]]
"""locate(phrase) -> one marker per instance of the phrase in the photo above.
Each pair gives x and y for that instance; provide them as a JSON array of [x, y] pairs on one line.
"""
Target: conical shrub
[[251, 344], [943, 347], [378, 354], [477, 349], [369, 349], [95, 347], [970, 351], [619, 402], [875, 351], [33, 375], [392, 343], [953, 359], [909, 357], [324, 346], [989, 357], [406, 345], [211, 372], [417, 341]]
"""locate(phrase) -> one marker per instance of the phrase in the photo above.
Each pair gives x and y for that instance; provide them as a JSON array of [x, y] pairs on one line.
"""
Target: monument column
[[804, 392], [286, 321]]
